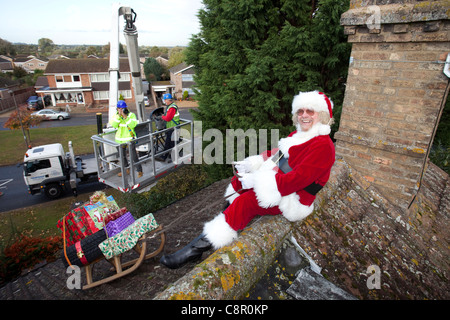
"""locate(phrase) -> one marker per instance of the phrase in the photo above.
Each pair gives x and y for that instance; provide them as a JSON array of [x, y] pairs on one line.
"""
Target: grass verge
[[13, 148]]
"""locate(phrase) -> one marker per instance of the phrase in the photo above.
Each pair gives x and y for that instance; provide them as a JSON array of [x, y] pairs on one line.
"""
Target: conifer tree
[[253, 56]]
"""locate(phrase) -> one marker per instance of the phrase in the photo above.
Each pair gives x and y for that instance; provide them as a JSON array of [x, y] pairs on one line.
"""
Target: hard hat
[[121, 104], [167, 96]]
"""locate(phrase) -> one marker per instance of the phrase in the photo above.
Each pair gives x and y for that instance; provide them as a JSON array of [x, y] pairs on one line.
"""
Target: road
[[15, 192], [12, 186], [84, 119]]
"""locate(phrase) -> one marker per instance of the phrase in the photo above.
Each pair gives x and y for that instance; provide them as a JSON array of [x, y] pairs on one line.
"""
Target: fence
[[21, 97]]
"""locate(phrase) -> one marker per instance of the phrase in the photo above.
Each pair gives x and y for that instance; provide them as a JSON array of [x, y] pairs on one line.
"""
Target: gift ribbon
[[80, 253], [64, 242]]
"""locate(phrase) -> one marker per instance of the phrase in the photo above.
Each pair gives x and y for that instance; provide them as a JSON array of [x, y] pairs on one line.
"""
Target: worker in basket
[[125, 122], [281, 181], [172, 118]]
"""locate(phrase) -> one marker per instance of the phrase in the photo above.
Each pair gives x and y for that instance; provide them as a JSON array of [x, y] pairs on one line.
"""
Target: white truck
[[49, 169]]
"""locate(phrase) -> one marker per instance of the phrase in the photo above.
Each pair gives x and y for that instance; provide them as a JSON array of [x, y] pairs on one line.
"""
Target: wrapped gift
[[78, 224], [116, 214], [84, 251], [116, 226], [101, 209], [127, 239], [97, 196]]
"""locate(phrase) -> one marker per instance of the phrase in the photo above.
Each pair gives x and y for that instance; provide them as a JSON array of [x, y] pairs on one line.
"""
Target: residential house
[[6, 65], [163, 60], [182, 76], [41, 82], [84, 81], [57, 56], [31, 63], [181, 79]]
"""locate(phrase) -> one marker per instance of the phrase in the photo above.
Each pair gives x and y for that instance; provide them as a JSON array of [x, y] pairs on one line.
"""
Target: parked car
[[50, 114], [146, 102], [35, 103]]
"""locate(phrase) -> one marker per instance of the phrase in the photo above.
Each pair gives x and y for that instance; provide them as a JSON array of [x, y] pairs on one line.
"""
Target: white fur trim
[[232, 193], [324, 130], [292, 209], [310, 100], [266, 189], [301, 137], [219, 232]]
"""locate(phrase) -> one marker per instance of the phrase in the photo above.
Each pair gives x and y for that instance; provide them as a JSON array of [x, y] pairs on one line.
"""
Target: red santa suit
[[310, 154]]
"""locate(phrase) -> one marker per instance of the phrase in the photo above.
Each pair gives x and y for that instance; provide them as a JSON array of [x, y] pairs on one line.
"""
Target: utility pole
[[20, 119]]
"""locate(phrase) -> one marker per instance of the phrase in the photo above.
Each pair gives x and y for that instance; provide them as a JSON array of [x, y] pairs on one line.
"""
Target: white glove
[[247, 181], [242, 166], [249, 164]]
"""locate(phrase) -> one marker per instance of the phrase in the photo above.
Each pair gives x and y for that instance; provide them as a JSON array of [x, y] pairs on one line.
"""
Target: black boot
[[190, 252]]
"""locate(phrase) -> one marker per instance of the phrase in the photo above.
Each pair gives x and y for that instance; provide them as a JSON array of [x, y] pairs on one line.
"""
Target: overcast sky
[[159, 22]]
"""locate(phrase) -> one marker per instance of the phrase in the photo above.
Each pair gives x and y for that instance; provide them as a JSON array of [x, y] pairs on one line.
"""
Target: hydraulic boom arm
[[130, 33]]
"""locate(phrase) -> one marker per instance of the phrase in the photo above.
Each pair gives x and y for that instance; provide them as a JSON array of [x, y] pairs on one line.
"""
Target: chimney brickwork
[[395, 92]]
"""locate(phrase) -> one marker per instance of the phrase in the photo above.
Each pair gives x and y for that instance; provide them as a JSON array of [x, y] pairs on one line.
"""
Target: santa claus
[[281, 181]]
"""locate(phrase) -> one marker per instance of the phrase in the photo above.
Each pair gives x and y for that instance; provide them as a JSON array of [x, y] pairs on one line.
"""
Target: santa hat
[[312, 100]]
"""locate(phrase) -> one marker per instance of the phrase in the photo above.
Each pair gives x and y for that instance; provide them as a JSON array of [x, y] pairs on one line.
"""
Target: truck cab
[[45, 169]]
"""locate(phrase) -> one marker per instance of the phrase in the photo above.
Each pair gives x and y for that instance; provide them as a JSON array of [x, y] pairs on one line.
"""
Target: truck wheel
[[53, 191]]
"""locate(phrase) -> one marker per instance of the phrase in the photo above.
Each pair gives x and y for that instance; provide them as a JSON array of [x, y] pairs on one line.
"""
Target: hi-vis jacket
[[172, 116], [125, 127]]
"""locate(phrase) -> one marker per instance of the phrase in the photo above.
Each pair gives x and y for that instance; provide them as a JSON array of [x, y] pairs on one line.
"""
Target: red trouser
[[245, 207]]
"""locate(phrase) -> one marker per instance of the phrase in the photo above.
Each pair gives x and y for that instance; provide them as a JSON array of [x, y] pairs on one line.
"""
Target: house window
[[104, 77], [124, 77], [125, 93], [104, 95], [67, 78], [101, 95], [189, 90], [187, 77], [99, 77]]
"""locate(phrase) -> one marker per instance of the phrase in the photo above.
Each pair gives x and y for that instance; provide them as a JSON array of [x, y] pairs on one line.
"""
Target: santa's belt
[[283, 165]]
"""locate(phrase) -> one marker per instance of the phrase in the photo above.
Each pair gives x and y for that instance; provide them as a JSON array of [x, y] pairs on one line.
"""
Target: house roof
[[180, 68], [28, 58], [41, 82], [83, 66]]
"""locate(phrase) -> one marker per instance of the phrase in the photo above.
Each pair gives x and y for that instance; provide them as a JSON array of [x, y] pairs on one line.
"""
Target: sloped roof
[[41, 82], [83, 66], [180, 68], [28, 58]]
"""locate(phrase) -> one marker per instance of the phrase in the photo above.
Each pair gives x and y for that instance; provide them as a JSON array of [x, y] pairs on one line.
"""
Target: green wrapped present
[[127, 238]]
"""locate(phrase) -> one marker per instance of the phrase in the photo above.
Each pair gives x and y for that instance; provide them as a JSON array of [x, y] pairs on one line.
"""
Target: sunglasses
[[308, 111]]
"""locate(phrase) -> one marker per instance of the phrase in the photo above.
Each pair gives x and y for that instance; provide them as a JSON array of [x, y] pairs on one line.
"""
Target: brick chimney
[[396, 91]]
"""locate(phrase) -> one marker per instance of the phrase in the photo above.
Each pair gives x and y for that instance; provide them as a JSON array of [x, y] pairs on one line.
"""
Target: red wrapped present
[[113, 216], [78, 225]]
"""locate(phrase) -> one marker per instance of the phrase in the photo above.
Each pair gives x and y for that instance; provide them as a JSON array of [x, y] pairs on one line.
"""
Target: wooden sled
[[122, 269]]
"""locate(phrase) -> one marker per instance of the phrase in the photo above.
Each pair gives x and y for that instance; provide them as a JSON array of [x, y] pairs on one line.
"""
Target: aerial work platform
[[149, 145]]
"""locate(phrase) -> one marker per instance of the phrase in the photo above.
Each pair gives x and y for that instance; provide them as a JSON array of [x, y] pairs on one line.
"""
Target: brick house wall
[[176, 77], [35, 64], [75, 79], [395, 92]]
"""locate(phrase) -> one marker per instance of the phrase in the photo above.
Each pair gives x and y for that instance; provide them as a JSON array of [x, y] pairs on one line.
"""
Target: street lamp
[[20, 118]]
